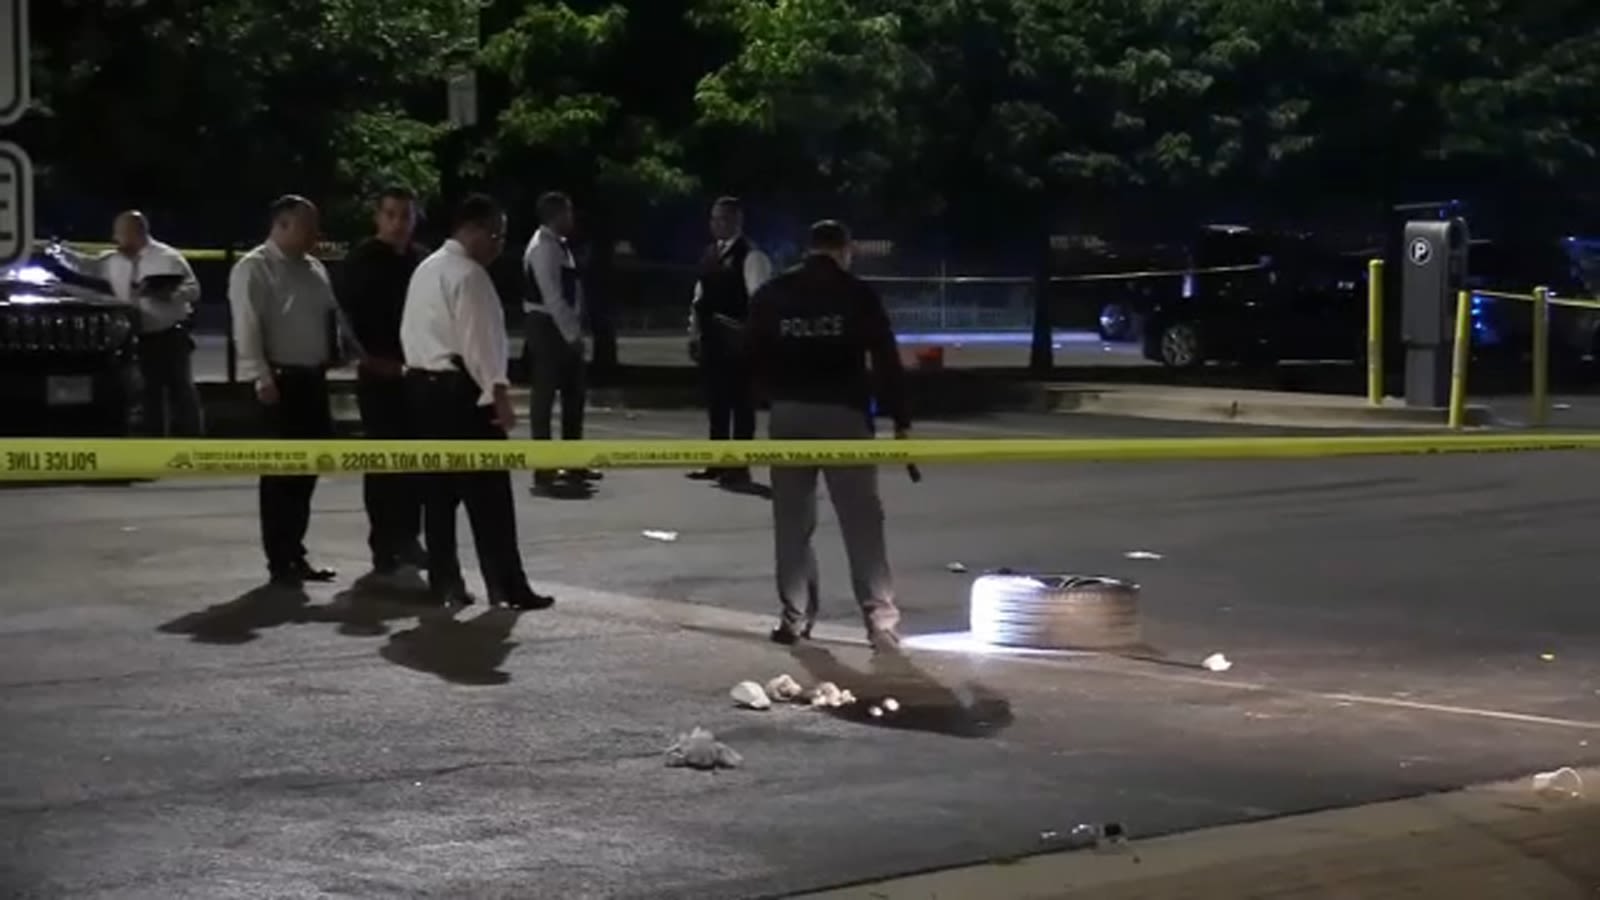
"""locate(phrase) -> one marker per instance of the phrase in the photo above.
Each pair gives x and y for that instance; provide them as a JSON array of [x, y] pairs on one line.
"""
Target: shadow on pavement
[[925, 704], [240, 620], [469, 652], [368, 606], [748, 489]]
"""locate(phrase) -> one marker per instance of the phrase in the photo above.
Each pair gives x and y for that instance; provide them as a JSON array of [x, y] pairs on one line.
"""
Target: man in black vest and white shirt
[[554, 345], [730, 272]]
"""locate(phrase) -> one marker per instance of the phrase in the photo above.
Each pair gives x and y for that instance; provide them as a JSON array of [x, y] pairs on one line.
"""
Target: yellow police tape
[[51, 459]]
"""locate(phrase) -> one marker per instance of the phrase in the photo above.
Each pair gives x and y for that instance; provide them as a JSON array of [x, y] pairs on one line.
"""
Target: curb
[[1247, 407], [1496, 840]]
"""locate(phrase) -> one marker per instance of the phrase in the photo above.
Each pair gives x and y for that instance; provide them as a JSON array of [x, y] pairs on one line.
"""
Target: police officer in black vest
[[819, 338], [555, 334], [731, 271]]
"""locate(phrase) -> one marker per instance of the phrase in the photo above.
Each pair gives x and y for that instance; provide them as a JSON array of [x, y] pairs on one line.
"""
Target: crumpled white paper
[[700, 749], [749, 695], [828, 694], [784, 689], [1216, 662], [1563, 782]]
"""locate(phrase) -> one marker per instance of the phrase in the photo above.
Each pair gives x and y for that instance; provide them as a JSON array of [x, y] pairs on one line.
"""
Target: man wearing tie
[[157, 281], [453, 334], [731, 271], [554, 341], [285, 327]]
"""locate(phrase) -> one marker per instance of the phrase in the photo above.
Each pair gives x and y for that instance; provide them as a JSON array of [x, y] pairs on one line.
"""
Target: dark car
[[1260, 297], [67, 365], [1569, 267]]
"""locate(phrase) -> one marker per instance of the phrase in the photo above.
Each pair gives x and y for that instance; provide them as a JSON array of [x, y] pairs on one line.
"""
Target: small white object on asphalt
[[956, 567], [1141, 554], [1216, 662], [784, 689], [846, 698], [749, 695], [1548, 657], [129, 529], [664, 536], [1561, 406], [1563, 782], [890, 704], [827, 694], [875, 712], [700, 749]]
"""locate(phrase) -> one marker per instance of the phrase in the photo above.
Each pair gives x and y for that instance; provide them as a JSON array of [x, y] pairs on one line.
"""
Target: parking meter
[[1434, 267]]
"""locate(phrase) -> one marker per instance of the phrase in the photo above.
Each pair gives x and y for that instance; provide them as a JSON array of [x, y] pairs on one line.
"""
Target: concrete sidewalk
[[1494, 842], [1201, 404]]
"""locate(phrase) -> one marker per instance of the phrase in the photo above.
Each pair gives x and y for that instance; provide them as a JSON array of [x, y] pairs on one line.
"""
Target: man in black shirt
[[372, 292], [810, 335]]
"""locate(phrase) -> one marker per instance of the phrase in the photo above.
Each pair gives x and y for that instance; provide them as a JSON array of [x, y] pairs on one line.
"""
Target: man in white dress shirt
[[453, 334], [554, 345], [285, 328], [731, 271], [157, 281]]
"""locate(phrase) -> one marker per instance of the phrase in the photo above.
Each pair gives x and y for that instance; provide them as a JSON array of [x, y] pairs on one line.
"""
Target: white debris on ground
[[749, 695], [890, 704], [784, 689], [829, 695], [663, 536], [1564, 783], [956, 567], [1141, 554], [1547, 657], [1216, 662], [700, 749]]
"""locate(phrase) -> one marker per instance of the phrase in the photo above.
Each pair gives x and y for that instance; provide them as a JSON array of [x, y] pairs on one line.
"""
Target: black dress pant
[[171, 400], [445, 406], [557, 369], [393, 502], [730, 398], [301, 413]]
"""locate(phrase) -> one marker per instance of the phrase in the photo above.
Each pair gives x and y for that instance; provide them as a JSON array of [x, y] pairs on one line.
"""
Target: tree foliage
[[901, 109]]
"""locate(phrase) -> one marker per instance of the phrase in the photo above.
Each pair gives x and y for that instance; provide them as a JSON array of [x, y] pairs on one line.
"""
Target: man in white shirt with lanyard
[[554, 344], [157, 281], [453, 334]]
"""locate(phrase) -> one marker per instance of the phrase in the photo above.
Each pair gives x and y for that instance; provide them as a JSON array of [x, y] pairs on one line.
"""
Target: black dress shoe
[[704, 475], [451, 596], [788, 637], [524, 599], [583, 475], [314, 575]]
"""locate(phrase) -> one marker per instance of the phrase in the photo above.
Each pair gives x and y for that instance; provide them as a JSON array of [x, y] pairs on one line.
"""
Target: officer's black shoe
[[301, 573], [704, 475], [582, 475], [523, 598], [788, 637], [452, 595]]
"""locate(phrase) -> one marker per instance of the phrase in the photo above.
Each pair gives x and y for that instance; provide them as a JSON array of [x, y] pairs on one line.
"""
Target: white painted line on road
[[697, 616]]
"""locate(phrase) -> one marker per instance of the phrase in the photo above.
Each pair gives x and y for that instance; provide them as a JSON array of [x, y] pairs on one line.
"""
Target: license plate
[[69, 390]]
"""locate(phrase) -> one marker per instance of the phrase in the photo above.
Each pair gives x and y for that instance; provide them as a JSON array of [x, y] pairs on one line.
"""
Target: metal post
[[1375, 332], [232, 349], [1541, 357], [1460, 353]]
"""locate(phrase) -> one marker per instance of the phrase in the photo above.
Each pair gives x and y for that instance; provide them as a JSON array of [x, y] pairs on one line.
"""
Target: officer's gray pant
[[854, 493]]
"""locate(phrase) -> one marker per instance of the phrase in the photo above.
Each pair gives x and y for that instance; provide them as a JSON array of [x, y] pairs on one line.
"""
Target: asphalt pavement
[[1397, 626]]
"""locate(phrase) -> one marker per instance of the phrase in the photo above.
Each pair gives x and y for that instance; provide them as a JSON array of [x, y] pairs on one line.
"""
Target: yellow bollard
[[1541, 357], [1460, 352], [1375, 332]]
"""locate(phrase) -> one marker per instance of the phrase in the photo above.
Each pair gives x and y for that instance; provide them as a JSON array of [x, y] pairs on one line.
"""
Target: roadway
[[1398, 626]]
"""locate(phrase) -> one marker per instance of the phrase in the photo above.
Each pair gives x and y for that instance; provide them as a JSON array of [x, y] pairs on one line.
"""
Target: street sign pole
[[15, 84], [16, 170]]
